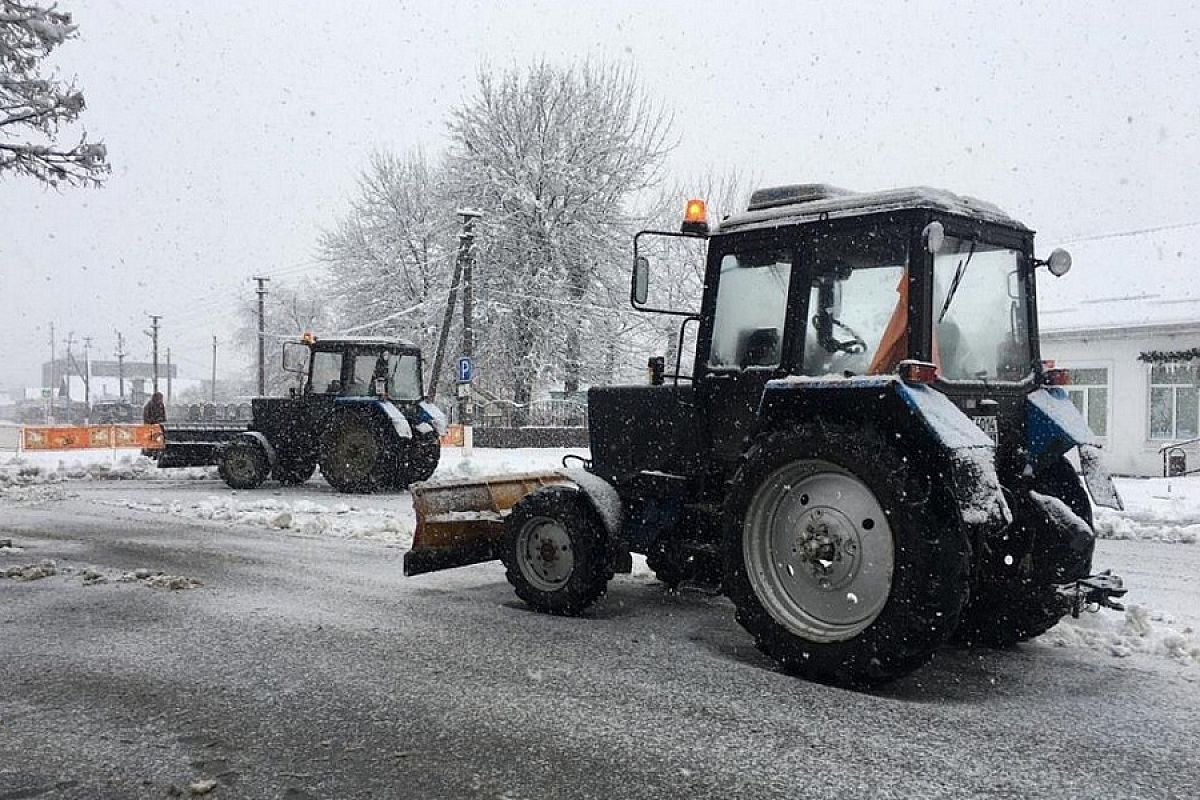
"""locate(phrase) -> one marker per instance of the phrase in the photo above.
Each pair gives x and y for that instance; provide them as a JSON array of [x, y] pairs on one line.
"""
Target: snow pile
[[1158, 509], [340, 520], [1139, 630], [42, 468], [30, 572]]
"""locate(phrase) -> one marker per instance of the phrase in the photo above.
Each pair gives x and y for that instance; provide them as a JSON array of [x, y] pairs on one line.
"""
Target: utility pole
[[261, 291], [451, 301], [466, 249], [120, 365], [50, 406], [212, 389], [153, 334], [87, 378], [168, 374], [70, 362]]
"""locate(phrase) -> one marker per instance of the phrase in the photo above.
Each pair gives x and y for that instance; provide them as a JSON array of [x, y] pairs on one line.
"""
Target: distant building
[[1126, 322], [106, 379]]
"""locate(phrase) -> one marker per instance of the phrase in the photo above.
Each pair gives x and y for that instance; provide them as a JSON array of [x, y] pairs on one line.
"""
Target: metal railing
[[538, 414], [1175, 457]]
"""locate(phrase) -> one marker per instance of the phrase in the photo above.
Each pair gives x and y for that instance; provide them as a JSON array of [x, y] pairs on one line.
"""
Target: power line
[[1135, 232]]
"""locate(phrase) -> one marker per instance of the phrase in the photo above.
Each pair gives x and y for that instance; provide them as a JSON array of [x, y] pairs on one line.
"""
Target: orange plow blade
[[460, 522]]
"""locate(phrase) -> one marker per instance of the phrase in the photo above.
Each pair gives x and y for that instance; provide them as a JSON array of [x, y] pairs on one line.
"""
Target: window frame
[[1086, 389], [1151, 386]]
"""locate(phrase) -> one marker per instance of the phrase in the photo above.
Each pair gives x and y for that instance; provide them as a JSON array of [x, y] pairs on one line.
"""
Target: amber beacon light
[[695, 218]]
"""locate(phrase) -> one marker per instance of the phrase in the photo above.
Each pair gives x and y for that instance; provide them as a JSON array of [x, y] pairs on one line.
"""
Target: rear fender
[[933, 431], [1053, 426], [385, 410]]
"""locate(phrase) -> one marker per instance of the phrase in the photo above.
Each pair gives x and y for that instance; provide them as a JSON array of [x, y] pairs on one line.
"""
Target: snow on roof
[[374, 341], [1140, 280], [854, 203]]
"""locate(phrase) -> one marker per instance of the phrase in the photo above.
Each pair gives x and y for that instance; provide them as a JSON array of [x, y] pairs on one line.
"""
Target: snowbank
[[42, 468], [1139, 630], [1156, 509]]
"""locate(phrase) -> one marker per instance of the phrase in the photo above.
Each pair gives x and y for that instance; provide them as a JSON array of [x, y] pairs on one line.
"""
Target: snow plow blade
[[460, 522]]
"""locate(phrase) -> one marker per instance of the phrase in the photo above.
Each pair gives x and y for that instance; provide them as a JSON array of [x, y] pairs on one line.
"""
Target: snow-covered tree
[[552, 155], [391, 256], [36, 102]]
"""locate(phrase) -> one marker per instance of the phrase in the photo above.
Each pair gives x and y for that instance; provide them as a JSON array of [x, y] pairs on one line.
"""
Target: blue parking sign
[[465, 370]]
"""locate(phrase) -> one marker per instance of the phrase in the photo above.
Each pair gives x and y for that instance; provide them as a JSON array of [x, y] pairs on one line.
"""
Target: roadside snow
[[1156, 509], [1139, 630]]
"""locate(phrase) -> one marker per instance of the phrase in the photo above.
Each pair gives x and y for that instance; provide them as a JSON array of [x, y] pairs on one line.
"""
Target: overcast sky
[[235, 130]]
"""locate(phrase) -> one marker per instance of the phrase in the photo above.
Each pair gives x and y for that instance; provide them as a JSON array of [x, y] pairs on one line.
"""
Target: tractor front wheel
[[553, 551], [835, 566]]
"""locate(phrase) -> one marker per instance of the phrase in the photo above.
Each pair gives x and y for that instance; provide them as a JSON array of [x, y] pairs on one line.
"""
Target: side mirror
[[1059, 262], [641, 280], [295, 357]]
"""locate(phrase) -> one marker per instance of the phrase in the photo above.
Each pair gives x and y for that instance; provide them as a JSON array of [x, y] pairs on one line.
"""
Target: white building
[[1126, 322]]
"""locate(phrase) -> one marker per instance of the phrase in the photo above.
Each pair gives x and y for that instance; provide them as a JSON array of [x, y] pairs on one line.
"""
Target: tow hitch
[[1092, 592]]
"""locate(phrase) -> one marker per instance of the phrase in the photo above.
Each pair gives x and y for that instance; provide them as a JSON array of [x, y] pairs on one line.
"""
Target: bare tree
[[552, 155], [37, 103], [291, 310]]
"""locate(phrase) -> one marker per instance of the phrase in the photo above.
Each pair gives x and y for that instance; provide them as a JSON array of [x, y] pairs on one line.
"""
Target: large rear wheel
[[354, 454], [836, 568]]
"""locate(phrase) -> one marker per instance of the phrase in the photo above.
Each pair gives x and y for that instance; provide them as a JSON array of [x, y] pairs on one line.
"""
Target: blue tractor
[[867, 453]]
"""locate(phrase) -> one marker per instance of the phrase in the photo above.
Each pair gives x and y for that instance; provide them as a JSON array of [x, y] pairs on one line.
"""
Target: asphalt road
[[310, 668]]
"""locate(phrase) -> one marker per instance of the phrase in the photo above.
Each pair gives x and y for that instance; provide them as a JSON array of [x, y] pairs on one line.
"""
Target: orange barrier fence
[[453, 437], [84, 437]]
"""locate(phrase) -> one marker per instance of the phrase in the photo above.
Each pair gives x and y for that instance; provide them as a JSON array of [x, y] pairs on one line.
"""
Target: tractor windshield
[[980, 330], [400, 372]]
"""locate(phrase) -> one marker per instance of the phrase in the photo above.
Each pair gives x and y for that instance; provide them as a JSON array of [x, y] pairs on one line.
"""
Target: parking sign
[[465, 370]]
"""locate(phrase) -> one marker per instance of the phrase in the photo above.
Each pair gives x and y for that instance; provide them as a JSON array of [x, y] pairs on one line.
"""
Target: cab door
[[744, 341]]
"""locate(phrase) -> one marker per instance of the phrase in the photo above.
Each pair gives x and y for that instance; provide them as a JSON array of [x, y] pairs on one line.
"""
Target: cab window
[[327, 373], [858, 303], [751, 309]]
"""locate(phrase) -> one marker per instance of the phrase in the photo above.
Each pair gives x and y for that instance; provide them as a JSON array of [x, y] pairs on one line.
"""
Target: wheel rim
[[818, 550], [545, 554], [241, 465], [355, 451]]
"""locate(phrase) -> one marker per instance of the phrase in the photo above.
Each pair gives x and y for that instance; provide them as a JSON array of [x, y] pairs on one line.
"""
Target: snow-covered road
[[300, 663]]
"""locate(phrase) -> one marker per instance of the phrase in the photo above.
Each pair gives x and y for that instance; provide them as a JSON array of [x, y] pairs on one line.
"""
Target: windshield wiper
[[958, 276]]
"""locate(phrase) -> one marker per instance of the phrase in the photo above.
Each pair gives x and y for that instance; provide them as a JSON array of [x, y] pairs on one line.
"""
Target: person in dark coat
[[155, 411]]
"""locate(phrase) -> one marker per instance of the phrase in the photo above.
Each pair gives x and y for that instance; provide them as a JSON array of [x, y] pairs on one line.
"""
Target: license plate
[[990, 426]]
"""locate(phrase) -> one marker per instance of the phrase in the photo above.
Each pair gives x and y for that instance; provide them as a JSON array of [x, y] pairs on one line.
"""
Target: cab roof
[[796, 204], [338, 342]]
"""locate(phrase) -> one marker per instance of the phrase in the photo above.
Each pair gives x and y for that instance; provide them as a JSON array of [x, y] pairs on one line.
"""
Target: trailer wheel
[[553, 551], [835, 569], [354, 453], [243, 464], [294, 470], [1014, 599]]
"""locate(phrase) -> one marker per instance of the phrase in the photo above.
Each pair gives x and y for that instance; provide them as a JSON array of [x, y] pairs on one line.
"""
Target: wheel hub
[[544, 554], [818, 550]]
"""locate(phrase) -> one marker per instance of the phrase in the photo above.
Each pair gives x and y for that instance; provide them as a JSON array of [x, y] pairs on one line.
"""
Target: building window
[[1174, 400], [1088, 390]]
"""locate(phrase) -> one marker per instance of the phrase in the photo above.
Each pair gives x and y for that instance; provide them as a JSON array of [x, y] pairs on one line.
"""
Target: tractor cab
[[368, 367], [817, 283]]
